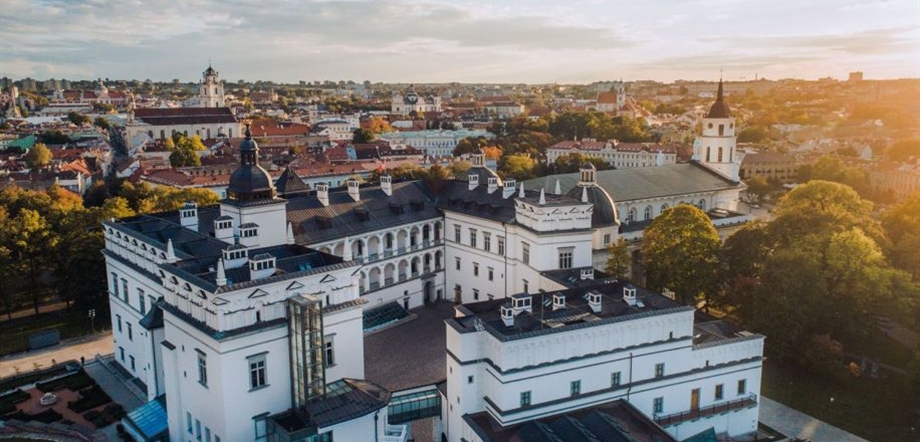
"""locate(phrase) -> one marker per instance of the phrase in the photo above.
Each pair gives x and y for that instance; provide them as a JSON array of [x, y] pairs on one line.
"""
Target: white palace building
[[248, 317]]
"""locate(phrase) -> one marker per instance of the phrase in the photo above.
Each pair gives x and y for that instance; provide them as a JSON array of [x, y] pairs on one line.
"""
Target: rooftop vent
[[474, 181], [261, 266], [508, 188], [493, 184], [322, 193]]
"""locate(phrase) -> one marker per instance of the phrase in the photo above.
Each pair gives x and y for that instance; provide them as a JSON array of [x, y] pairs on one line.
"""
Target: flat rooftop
[[576, 313]]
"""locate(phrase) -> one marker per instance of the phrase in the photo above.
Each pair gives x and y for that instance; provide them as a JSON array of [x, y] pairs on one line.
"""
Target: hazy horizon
[[433, 41]]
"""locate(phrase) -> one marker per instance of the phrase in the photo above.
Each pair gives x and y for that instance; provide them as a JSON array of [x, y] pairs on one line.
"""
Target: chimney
[[493, 184], [474, 181], [507, 315], [188, 216], [558, 301], [629, 295], [223, 228], [322, 193], [587, 274], [508, 189], [594, 301], [354, 190], [386, 184]]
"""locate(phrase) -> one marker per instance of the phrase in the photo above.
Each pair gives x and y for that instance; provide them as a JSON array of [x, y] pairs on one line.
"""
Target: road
[[86, 346]]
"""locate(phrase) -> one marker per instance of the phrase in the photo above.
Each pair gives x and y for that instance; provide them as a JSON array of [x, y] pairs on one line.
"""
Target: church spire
[[720, 95]]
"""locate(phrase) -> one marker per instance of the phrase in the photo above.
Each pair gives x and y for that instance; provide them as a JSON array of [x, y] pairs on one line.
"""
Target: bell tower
[[210, 89], [715, 148]]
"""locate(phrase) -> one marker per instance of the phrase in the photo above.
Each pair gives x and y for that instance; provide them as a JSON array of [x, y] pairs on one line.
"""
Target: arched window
[[664, 207], [632, 215], [648, 213], [707, 153], [720, 155], [701, 205], [721, 130]]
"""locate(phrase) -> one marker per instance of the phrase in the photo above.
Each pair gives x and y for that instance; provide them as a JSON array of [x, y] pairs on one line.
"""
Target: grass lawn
[[878, 410], [14, 335], [884, 348]]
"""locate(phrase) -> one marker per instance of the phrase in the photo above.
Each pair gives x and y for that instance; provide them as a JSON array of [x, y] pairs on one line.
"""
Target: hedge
[[90, 398]]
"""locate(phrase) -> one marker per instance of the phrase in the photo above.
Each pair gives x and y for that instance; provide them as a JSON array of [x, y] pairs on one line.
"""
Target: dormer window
[[262, 265], [521, 302], [249, 231], [223, 224]]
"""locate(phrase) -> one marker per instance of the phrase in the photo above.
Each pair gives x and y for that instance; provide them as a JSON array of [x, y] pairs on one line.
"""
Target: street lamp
[[92, 319]]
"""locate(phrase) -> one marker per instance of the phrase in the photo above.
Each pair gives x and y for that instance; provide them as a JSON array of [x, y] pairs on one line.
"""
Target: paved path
[[794, 423], [86, 346], [113, 385]]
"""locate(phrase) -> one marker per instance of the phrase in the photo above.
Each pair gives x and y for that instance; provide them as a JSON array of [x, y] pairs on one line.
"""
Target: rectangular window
[[115, 283], [256, 371], [259, 423], [501, 245], [719, 392], [457, 260], [606, 238], [526, 288], [124, 287], [142, 302], [131, 358], [207, 434], [525, 252], [525, 398], [575, 388], [121, 353], [475, 269], [475, 294], [329, 350], [473, 238], [188, 422], [486, 241], [130, 333], [457, 233], [491, 274], [118, 321], [742, 386], [197, 429], [659, 370], [202, 369], [565, 258], [615, 379], [658, 405]]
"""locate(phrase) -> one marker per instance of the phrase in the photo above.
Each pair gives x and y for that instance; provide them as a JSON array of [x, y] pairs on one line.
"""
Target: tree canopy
[[39, 156], [363, 136], [680, 248]]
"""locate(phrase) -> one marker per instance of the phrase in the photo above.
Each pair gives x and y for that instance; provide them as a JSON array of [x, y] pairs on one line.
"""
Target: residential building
[[412, 103], [435, 143], [769, 166], [617, 154]]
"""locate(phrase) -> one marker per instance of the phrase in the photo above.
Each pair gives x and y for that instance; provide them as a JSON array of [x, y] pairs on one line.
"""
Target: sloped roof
[[643, 183]]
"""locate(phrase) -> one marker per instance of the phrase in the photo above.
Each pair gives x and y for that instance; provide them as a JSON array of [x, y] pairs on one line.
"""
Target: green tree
[[184, 158], [571, 162], [101, 123], [458, 168], [34, 241], [363, 136], [758, 188], [903, 150], [470, 145], [680, 248], [902, 224], [518, 167], [78, 118], [39, 156], [752, 134], [618, 259]]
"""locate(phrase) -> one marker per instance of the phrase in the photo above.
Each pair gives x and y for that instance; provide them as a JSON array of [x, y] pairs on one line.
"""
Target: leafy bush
[[90, 398], [74, 382], [8, 401]]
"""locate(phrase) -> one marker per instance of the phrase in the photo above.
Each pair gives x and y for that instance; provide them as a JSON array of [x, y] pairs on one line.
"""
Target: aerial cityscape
[[395, 221]]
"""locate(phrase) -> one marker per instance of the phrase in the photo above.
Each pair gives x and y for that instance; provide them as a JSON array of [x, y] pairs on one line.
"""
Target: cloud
[[869, 42]]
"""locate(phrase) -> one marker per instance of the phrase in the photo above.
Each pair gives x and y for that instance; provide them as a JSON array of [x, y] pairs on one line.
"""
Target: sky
[[428, 41]]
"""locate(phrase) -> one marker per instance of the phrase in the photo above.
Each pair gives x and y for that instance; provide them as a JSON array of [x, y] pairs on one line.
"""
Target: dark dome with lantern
[[605, 212], [250, 181]]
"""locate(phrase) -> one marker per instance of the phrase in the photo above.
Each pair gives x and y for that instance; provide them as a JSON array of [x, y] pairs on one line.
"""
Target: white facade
[[717, 144], [211, 89], [616, 154], [647, 356], [439, 143], [413, 102]]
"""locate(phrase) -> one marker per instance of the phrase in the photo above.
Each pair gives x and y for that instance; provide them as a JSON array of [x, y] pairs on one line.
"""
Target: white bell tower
[[210, 89], [715, 148]]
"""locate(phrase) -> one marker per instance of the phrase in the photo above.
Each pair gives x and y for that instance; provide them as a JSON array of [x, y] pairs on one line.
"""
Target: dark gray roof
[[605, 212], [484, 173], [345, 399], [153, 319], [576, 314], [616, 421], [719, 108], [625, 185], [312, 222], [290, 183], [456, 197]]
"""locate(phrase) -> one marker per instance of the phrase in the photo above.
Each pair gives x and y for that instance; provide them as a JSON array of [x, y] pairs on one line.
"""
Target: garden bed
[[90, 398], [75, 382], [8, 401], [108, 415], [46, 417]]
